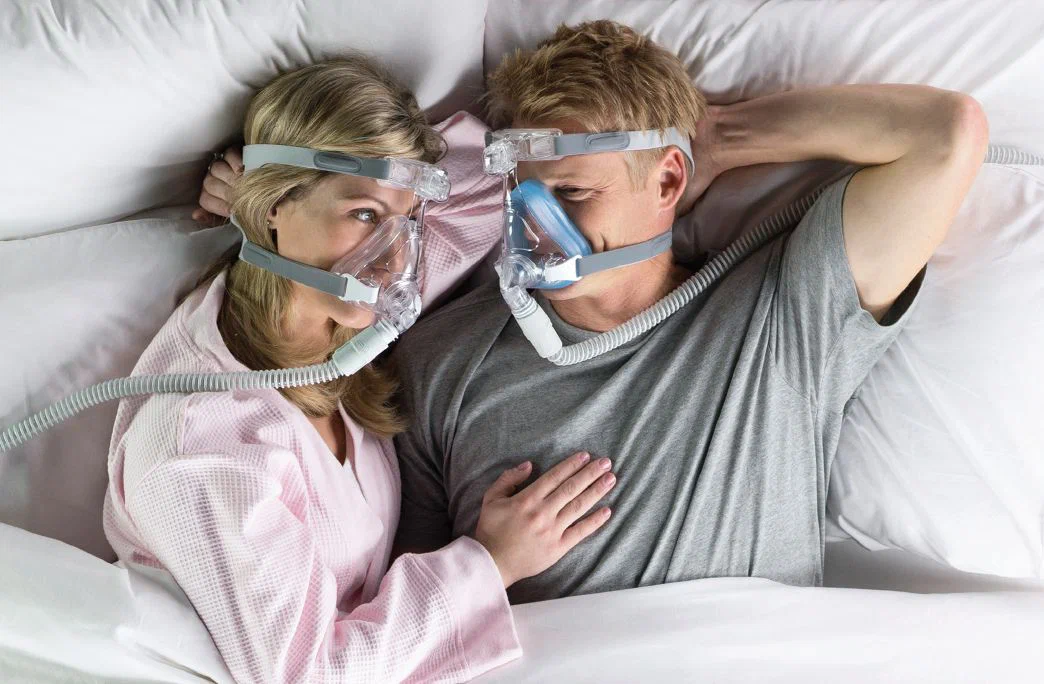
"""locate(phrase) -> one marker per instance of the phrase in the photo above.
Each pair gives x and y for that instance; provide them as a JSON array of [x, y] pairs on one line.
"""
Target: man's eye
[[365, 215], [571, 193]]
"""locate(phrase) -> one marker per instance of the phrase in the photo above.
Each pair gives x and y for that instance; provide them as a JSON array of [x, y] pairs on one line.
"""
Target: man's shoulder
[[453, 332]]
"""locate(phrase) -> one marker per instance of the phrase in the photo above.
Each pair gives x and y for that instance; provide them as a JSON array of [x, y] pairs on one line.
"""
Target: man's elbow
[[966, 132]]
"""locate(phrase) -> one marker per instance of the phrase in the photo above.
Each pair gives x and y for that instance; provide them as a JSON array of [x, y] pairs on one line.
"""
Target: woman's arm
[[238, 541], [923, 146]]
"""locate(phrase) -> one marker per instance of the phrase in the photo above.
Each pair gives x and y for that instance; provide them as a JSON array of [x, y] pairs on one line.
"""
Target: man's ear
[[672, 175]]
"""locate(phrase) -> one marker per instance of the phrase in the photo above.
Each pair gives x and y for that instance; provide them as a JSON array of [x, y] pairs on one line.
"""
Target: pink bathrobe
[[283, 550]]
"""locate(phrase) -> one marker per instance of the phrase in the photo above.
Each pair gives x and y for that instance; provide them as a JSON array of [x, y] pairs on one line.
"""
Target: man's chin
[[563, 293]]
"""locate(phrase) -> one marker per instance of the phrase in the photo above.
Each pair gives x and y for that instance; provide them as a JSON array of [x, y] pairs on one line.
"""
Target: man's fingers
[[580, 531], [221, 170], [214, 205], [550, 481], [505, 485], [234, 157]]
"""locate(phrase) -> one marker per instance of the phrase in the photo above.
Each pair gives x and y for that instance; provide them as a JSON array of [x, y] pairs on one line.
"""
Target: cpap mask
[[542, 247], [380, 274]]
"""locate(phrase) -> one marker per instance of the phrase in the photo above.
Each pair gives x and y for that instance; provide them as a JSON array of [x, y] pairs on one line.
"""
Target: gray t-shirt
[[721, 422]]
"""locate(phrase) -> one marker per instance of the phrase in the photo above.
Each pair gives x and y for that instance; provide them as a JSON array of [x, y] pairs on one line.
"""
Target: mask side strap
[[624, 256], [343, 287]]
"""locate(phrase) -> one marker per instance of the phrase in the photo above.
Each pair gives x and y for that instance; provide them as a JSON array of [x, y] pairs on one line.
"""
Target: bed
[[119, 105]]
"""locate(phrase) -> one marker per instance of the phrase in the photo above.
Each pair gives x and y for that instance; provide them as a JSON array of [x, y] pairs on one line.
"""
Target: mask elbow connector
[[367, 345], [533, 321]]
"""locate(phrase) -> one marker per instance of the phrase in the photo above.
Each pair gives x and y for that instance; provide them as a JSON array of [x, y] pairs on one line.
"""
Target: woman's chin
[[351, 316]]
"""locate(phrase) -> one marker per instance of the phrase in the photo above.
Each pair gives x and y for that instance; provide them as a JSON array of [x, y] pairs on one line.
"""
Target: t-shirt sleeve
[[424, 517], [824, 341]]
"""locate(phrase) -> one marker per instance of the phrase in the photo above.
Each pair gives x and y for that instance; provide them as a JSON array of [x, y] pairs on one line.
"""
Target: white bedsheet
[[753, 630], [68, 616]]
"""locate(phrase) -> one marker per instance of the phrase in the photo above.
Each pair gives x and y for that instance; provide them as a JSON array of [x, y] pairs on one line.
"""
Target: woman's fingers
[[505, 485], [217, 187], [221, 170], [574, 485], [214, 205], [550, 481], [580, 531], [234, 157], [593, 486], [204, 217]]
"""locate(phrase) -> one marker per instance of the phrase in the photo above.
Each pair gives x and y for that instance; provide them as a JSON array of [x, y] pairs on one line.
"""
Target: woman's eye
[[365, 215]]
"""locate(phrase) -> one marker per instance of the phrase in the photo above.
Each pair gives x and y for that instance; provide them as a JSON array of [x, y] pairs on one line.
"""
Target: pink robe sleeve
[[461, 232], [235, 536]]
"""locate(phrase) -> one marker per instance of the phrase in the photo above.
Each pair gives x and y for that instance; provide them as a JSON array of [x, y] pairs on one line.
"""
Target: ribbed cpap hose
[[348, 359], [365, 346], [541, 333]]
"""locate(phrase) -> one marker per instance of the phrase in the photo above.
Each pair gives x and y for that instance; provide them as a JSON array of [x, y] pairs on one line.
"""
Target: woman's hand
[[528, 532], [704, 149], [216, 196]]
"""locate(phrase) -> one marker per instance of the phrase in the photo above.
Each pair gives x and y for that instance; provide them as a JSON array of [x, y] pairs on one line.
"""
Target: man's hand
[[923, 147], [216, 196], [704, 151]]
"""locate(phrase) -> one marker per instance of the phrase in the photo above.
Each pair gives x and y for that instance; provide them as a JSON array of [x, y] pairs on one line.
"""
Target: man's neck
[[644, 285]]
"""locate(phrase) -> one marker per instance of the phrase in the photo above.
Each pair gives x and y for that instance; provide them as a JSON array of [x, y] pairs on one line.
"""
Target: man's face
[[595, 190]]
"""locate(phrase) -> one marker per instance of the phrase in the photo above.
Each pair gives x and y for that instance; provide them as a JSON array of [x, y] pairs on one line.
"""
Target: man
[[722, 421]]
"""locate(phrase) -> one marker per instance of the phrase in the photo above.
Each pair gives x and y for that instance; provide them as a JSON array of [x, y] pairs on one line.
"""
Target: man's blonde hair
[[602, 75], [346, 105]]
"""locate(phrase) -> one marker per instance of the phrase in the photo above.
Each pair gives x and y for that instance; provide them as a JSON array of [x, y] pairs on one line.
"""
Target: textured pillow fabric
[[942, 449], [70, 617], [113, 106], [78, 308]]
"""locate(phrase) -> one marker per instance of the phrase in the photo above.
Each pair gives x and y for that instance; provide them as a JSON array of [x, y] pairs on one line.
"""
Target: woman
[[275, 511]]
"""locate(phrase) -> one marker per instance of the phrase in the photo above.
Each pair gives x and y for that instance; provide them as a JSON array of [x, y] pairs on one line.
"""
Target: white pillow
[[77, 308], [113, 106], [67, 616], [942, 450]]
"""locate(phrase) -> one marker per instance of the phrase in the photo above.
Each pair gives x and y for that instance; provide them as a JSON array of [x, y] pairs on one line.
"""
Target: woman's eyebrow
[[355, 197]]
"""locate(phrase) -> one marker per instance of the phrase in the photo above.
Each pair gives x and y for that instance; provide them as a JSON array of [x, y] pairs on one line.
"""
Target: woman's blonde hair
[[604, 76], [347, 105]]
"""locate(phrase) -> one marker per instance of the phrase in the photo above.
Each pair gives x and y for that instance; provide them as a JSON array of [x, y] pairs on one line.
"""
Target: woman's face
[[319, 229]]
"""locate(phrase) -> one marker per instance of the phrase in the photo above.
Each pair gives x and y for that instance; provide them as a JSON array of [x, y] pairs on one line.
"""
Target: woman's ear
[[672, 177], [273, 215]]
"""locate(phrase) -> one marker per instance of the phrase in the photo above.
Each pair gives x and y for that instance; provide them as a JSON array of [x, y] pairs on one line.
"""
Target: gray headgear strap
[[624, 256], [255, 156], [341, 286], [569, 144]]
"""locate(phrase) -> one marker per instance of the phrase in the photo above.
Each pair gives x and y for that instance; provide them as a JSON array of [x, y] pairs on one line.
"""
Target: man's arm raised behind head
[[923, 147]]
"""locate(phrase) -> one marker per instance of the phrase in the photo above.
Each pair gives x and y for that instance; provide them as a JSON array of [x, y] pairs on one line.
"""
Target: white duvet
[[68, 616]]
